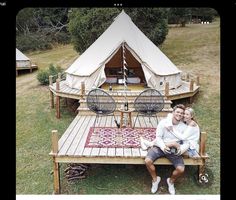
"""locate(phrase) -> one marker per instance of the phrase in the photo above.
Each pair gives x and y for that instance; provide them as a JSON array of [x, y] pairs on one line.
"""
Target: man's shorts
[[155, 152]]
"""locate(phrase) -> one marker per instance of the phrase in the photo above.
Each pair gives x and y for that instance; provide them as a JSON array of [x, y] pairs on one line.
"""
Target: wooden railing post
[[54, 141], [58, 115], [57, 84], [50, 80], [82, 89], [51, 93], [187, 76], [191, 85], [167, 89], [56, 172], [51, 99], [59, 76]]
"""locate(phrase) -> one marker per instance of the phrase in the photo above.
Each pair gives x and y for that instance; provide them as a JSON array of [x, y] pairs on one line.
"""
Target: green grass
[[194, 49]]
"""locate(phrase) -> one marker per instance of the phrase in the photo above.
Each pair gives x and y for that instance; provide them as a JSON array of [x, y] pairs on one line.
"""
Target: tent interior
[[114, 72]]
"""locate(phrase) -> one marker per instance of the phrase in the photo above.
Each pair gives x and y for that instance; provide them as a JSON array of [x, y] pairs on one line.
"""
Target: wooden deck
[[70, 148], [71, 145], [24, 68], [183, 91]]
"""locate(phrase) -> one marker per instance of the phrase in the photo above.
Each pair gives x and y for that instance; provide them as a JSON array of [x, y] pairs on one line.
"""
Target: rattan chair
[[148, 103], [101, 103]]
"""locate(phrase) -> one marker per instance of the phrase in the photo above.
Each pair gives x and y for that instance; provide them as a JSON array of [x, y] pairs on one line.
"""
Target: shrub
[[43, 75]]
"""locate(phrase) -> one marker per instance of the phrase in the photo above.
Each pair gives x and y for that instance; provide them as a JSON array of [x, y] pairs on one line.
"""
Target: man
[[162, 148]]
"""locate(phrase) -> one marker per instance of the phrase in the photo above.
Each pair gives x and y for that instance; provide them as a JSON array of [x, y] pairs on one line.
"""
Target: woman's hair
[[192, 113]]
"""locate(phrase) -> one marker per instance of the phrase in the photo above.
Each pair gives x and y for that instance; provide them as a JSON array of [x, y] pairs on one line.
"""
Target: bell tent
[[22, 60], [103, 60]]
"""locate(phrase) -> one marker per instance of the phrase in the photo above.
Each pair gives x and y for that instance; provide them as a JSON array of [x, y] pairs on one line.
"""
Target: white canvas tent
[[90, 66], [22, 60]]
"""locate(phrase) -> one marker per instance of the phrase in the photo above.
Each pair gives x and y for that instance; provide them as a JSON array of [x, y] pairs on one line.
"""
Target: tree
[[25, 21], [204, 14], [179, 16], [184, 15], [151, 21], [87, 24], [39, 28]]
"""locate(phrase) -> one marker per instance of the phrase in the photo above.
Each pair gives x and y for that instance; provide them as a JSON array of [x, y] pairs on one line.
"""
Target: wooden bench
[[96, 155]]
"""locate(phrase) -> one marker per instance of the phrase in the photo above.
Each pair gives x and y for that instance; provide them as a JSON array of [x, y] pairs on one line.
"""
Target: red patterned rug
[[114, 137]]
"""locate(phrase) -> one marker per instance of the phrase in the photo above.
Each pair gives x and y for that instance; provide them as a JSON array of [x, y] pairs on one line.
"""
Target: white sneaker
[[171, 187], [155, 184]]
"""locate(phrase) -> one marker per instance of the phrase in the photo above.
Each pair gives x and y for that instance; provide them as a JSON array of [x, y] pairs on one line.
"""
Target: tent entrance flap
[[114, 69]]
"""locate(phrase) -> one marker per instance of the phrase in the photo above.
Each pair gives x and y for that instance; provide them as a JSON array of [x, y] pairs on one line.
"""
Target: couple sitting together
[[177, 134]]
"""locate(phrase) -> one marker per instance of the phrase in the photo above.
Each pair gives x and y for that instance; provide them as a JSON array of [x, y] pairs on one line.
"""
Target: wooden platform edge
[[200, 162]]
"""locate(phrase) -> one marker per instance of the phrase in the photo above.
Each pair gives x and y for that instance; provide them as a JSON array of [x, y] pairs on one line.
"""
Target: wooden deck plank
[[77, 138], [69, 140], [68, 131], [95, 151], [87, 151], [135, 152], [111, 152], [103, 151], [143, 153], [80, 147], [127, 152], [119, 152]]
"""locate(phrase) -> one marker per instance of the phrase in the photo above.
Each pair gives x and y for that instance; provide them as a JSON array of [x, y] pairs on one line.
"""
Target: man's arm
[[159, 136]]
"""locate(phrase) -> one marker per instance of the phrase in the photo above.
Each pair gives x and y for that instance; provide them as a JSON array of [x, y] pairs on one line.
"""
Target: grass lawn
[[194, 49]]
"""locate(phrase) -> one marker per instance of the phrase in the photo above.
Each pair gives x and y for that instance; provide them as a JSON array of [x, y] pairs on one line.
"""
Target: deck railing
[[187, 77]]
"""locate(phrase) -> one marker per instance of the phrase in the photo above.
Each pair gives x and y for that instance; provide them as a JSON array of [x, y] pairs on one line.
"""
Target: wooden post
[[54, 141], [167, 89], [51, 99], [187, 76], [203, 138], [191, 85], [56, 172], [190, 100], [51, 93], [59, 76], [202, 168], [82, 89], [197, 81], [202, 151], [58, 115], [50, 80], [30, 67], [57, 84]]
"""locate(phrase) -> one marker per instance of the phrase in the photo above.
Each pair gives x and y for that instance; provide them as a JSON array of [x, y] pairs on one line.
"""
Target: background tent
[[143, 57], [22, 60]]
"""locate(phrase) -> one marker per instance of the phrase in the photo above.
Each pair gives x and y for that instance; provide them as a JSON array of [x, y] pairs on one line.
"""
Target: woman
[[190, 136]]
